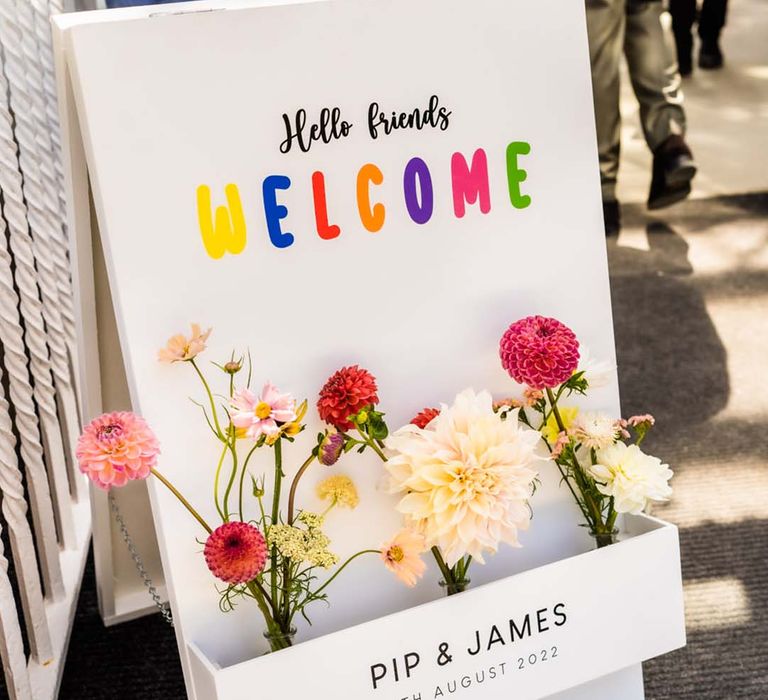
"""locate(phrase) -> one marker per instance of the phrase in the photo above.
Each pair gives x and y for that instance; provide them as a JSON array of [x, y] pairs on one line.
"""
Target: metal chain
[[145, 577]]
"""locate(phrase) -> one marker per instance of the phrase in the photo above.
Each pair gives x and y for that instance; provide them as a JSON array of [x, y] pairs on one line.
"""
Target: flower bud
[[233, 366], [330, 449]]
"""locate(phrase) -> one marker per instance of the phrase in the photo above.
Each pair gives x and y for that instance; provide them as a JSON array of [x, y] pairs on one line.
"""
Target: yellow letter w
[[227, 233]]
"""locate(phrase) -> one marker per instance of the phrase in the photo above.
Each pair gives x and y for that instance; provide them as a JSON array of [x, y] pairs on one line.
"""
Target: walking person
[[711, 20], [633, 28]]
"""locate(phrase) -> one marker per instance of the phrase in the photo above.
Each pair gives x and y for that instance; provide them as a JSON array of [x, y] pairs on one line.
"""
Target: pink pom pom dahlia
[[236, 552], [540, 352], [344, 394], [116, 448]]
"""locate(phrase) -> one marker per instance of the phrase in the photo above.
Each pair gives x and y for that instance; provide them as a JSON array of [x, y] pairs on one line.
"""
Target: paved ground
[[690, 304], [690, 297]]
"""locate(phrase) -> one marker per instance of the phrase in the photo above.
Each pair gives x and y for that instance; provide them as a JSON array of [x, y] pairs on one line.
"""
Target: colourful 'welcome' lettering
[[224, 231]]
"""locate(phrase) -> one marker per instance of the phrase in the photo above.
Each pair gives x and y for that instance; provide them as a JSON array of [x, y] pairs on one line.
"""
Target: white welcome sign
[[382, 182]]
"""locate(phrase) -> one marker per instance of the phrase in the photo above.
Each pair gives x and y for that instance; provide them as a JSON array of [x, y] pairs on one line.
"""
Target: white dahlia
[[465, 480], [598, 373], [632, 477]]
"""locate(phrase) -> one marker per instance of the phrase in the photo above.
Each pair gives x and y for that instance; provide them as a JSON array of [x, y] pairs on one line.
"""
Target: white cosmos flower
[[594, 430], [632, 477], [598, 373], [465, 480]]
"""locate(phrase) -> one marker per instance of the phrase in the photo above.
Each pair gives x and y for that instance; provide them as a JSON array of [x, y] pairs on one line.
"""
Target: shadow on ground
[[673, 364]]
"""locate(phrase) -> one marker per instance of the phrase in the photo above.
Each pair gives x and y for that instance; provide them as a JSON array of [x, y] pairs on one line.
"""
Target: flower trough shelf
[[530, 635]]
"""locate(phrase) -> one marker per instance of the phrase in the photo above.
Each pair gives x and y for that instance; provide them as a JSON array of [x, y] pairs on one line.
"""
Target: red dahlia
[[540, 352], [425, 417], [236, 552], [344, 394]]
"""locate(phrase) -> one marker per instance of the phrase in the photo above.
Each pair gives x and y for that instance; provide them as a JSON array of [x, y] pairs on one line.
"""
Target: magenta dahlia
[[116, 448], [236, 552], [540, 352], [344, 394]]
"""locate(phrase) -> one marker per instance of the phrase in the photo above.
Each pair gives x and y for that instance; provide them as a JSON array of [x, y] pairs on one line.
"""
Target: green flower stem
[[182, 500], [274, 629], [216, 482], [232, 445], [295, 484], [444, 568], [342, 567], [210, 399], [242, 480], [595, 515], [370, 442], [274, 521]]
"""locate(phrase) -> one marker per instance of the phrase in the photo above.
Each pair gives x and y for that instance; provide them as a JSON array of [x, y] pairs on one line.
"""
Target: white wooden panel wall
[[43, 499]]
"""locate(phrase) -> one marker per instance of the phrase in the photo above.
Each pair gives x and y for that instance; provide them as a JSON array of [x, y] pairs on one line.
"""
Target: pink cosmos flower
[[540, 352], [116, 448], [263, 414], [235, 552]]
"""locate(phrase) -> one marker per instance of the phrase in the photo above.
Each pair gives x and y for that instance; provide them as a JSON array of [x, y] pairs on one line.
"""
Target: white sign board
[[422, 238]]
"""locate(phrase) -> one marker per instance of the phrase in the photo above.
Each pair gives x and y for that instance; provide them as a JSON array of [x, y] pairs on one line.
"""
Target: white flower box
[[573, 621]]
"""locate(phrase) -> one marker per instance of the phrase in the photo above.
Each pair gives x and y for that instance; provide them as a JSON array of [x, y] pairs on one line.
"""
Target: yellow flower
[[339, 490], [550, 429], [465, 482], [290, 429]]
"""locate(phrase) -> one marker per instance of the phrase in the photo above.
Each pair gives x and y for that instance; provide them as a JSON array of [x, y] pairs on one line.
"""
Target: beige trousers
[[633, 27]]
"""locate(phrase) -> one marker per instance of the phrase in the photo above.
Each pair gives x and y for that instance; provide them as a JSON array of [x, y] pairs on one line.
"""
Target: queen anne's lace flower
[[116, 448], [465, 481], [299, 545], [631, 477]]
